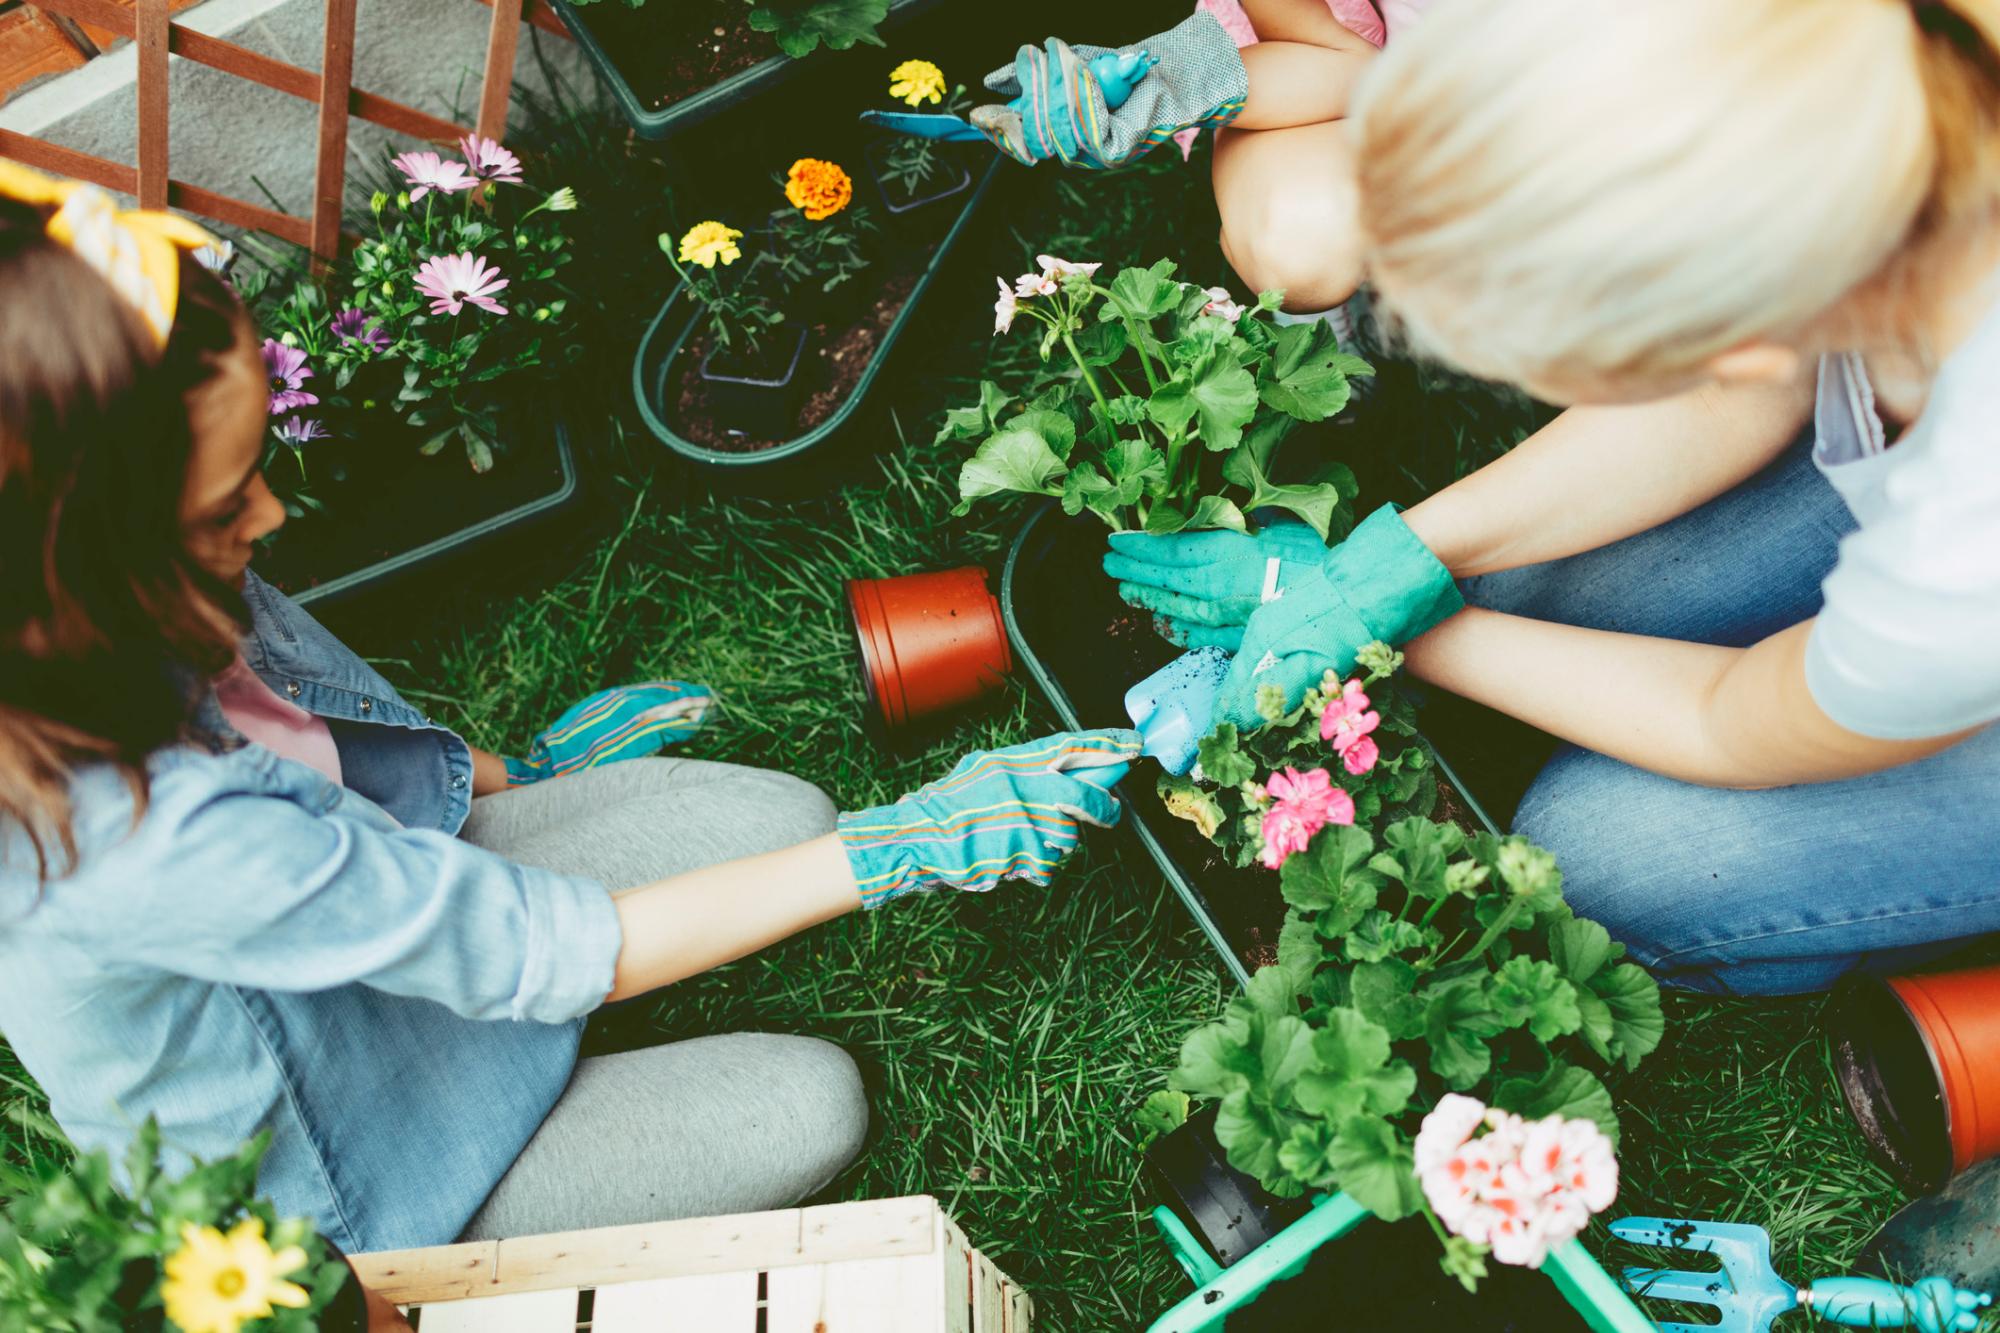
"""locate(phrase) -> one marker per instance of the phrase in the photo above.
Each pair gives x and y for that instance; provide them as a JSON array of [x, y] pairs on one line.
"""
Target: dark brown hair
[[107, 625]]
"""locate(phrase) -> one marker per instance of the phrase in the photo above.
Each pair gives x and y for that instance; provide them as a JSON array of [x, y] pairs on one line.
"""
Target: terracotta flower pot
[[1918, 1059], [929, 643]]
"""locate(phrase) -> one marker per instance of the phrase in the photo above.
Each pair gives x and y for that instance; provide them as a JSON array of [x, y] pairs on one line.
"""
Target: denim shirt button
[[292, 688], [367, 705], [458, 782]]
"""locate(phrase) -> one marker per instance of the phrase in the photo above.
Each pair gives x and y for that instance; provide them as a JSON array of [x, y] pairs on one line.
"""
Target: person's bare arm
[[682, 926], [1596, 475], [1307, 21], [1293, 83], [1720, 717], [489, 772]]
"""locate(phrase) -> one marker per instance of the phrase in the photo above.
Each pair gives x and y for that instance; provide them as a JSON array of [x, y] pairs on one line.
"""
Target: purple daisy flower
[[429, 171], [353, 325], [288, 371], [489, 161], [298, 431]]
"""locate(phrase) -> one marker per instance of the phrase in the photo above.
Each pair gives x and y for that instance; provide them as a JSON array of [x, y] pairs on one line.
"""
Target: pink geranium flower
[[489, 161], [1301, 805], [1221, 306], [287, 369], [1346, 724], [428, 171], [1519, 1188], [455, 281], [1005, 308]]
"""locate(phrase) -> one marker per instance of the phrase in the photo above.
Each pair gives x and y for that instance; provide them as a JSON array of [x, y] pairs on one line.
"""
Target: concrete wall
[[230, 135]]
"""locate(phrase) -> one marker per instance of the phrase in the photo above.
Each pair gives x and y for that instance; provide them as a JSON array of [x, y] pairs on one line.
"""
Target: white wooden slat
[[524, 1312], [989, 1306], [861, 1296], [713, 1303], [1020, 1310], [957, 1254]]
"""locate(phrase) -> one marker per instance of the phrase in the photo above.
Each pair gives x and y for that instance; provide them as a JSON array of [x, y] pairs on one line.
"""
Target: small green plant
[[800, 26], [82, 1253], [1416, 964], [824, 239], [911, 161], [738, 314], [1170, 410]]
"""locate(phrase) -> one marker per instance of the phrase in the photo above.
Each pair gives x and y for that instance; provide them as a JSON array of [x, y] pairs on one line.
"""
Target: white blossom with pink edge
[[1030, 285], [1221, 306], [1060, 269], [489, 161], [428, 171], [456, 281], [1519, 1188], [1005, 308]]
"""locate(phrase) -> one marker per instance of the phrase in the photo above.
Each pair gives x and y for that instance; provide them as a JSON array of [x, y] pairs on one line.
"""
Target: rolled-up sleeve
[[257, 888]]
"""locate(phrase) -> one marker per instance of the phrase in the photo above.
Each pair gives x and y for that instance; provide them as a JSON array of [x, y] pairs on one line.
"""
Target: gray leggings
[[734, 1123]]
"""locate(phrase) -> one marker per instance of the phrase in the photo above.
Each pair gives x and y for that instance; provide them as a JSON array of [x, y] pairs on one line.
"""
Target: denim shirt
[[266, 950]]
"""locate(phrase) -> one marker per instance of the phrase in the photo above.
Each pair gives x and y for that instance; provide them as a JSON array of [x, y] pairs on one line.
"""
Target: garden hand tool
[[1116, 74], [1381, 583], [1204, 586], [1749, 1293], [999, 814], [625, 722], [1172, 707]]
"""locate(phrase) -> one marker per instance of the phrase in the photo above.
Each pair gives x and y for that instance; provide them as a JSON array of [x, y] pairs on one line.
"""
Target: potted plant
[[748, 371], [421, 347], [822, 272], [670, 66], [1422, 973], [913, 176], [82, 1250]]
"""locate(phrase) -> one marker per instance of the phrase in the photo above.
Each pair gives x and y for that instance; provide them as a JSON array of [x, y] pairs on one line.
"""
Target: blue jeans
[[1753, 892]]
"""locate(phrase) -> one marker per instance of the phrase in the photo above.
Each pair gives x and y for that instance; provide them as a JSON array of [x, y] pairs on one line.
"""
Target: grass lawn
[[1009, 1037]]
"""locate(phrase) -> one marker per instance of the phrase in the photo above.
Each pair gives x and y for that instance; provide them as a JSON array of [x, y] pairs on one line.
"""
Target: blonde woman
[[1753, 576]]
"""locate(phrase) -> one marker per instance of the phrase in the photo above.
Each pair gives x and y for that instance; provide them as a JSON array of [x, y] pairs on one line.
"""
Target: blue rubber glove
[[1059, 108], [1203, 587], [999, 814], [625, 722], [1381, 583]]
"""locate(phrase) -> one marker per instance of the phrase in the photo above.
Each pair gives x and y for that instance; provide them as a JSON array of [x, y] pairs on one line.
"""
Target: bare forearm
[[1292, 84], [489, 772], [1719, 717], [1308, 21], [1596, 475], [686, 925]]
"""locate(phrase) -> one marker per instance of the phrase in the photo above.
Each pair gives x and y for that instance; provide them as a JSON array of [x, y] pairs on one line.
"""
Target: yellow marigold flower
[[819, 189], [216, 1283], [707, 242], [917, 81]]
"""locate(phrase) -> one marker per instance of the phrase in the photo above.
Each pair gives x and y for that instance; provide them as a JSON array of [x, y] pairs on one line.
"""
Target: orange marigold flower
[[818, 189]]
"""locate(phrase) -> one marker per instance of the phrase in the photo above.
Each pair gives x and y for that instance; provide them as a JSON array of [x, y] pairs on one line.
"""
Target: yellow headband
[[138, 252]]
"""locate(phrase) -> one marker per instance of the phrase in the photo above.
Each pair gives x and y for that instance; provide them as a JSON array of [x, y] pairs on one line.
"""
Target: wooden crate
[[879, 1266]]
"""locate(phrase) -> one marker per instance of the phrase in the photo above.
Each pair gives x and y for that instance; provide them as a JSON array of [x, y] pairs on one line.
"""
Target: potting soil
[[671, 49]]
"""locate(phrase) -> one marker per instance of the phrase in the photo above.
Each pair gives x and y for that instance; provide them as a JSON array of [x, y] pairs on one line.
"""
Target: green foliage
[[807, 256], [1151, 369], [450, 377], [81, 1253], [911, 162], [800, 26], [1413, 961]]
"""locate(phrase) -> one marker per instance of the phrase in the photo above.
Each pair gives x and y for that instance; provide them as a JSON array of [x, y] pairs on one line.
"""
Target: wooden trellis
[[331, 88]]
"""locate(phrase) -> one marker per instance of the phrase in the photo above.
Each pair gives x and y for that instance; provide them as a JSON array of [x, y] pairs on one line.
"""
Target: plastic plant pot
[[915, 213], [1918, 1061], [1047, 611], [650, 122], [928, 643], [759, 402], [659, 352]]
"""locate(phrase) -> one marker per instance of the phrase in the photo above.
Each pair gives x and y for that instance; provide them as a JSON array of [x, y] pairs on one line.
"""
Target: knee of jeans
[[1523, 591]]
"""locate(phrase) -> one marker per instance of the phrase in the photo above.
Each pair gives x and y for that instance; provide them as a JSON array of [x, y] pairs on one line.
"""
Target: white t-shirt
[[1908, 642]]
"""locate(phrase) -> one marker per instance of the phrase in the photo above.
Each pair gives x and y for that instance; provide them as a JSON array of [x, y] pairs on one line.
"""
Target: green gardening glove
[[999, 814], [1381, 583], [1203, 587]]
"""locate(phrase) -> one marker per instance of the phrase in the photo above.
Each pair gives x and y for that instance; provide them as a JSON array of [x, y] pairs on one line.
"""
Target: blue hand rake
[[1750, 1294]]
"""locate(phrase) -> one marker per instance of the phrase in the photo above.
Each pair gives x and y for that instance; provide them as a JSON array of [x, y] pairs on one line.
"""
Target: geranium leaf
[[1222, 761], [1383, 992], [1184, 799], [1561, 1089], [1306, 1156], [1619, 1002], [1307, 375], [1137, 468], [1332, 875], [799, 26], [1419, 850], [1528, 992], [1017, 459], [1457, 1020], [1376, 1167], [1146, 292], [1319, 505], [1215, 511], [1085, 488], [1162, 1112], [1379, 934], [1633, 998], [1299, 949], [1354, 1073], [1055, 427], [977, 421]]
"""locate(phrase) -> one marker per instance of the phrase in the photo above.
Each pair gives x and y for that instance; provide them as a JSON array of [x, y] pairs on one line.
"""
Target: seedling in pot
[[912, 172], [821, 241], [750, 364]]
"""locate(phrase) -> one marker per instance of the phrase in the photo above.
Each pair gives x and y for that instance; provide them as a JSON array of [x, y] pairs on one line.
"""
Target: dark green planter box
[[660, 349], [661, 122]]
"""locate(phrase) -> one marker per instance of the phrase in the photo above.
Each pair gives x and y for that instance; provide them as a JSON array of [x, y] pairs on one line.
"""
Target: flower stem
[[1130, 320], [1498, 928], [1069, 342]]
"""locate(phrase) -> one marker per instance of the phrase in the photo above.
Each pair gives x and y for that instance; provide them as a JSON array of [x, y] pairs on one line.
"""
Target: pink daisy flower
[[455, 281], [428, 171], [489, 161]]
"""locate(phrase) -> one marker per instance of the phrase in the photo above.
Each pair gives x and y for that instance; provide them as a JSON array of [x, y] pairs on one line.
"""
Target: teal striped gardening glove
[[1071, 106], [625, 722], [1381, 583], [1000, 814], [1203, 587]]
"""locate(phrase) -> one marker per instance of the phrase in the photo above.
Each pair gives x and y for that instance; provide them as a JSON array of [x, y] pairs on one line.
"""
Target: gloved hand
[[625, 722], [999, 814], [1204, 586], [1062, 109], [1381, 583]]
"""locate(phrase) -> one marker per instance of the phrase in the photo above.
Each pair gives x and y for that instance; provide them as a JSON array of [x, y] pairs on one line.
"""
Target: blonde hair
[[1611, 192]]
